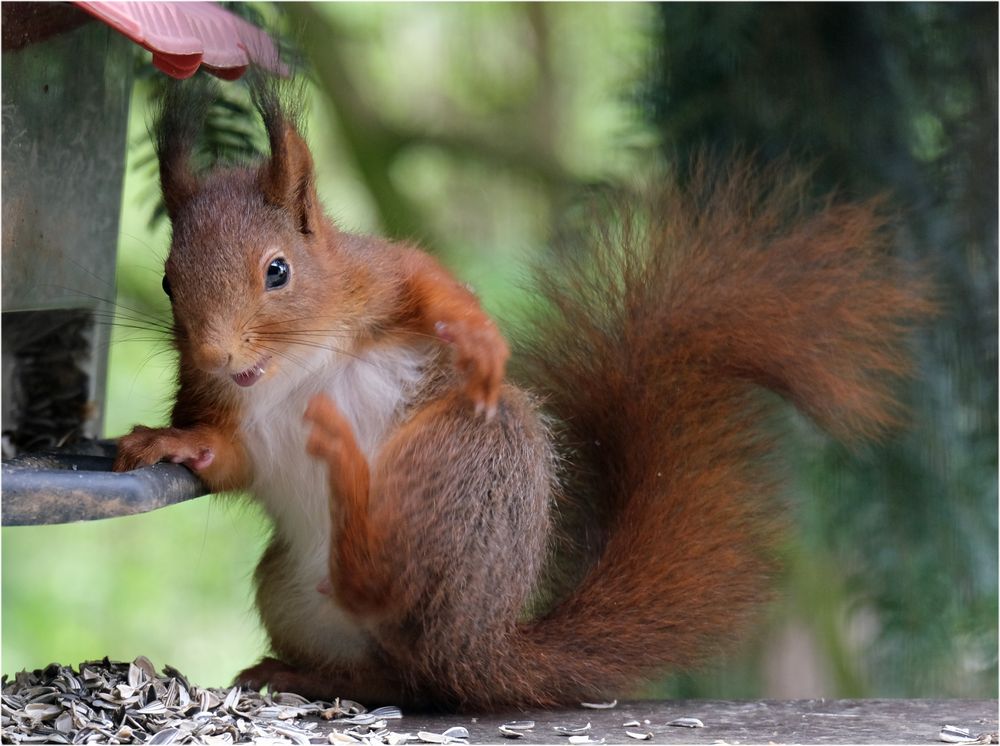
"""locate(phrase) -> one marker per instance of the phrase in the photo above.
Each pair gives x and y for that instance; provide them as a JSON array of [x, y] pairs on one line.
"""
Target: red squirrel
[[420, 500]]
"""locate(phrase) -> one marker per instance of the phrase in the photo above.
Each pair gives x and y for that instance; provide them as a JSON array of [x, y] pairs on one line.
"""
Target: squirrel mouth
[[251, 375]]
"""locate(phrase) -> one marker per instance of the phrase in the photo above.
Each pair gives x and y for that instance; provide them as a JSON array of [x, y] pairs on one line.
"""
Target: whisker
[[157, 253], [164, 334], [149, 358], [333, 342], [250, 316], [158, 348], [144, 340], [114, 303], [301, 343], [334, 333], [146, 360], [128, 314], [137, 317], [118, 308], [338, 334], [330, 348], [340, 330], [124, 322], [110, 318], [292, 321], [286, 355], [84, 268]]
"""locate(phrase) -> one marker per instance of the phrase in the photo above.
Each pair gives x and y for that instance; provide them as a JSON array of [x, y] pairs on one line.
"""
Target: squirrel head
[[254, 272]]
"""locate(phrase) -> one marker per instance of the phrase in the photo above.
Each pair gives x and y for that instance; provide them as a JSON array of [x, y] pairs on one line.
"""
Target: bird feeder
[[66, 85]]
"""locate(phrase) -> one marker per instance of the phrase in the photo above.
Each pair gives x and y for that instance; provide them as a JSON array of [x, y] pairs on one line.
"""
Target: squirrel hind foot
[[367, 683]]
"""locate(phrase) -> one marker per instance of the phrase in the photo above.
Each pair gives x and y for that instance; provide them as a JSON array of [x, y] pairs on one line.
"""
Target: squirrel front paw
[[145, 446], [481, 355]]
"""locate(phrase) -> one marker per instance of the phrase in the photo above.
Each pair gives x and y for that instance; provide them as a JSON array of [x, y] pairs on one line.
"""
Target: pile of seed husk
[[109, 702]]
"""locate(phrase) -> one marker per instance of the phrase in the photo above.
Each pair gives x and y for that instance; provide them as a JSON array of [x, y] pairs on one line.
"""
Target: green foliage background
[[475, 129]]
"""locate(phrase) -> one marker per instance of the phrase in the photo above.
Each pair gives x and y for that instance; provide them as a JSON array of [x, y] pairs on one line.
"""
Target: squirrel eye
[[277, 274], [166, 287]]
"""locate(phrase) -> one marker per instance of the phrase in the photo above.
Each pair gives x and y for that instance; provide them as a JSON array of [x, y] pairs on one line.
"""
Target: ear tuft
[[286, 178], [180, 115]]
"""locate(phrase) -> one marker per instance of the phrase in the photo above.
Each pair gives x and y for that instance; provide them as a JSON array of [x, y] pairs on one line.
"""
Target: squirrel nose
[[210, 357]]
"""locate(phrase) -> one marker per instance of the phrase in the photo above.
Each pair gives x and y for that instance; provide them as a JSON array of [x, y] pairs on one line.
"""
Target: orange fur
[[439, 305], [433, 525], [352, 563]]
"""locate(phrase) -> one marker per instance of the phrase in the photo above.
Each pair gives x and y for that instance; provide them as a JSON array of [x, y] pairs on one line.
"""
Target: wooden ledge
[[864, 721]]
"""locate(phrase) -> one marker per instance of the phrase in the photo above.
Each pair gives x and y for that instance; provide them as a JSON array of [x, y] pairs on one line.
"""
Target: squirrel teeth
[[251, 375]]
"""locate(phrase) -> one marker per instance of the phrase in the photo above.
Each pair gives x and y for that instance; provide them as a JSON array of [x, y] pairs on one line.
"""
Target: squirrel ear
[[287, 178]]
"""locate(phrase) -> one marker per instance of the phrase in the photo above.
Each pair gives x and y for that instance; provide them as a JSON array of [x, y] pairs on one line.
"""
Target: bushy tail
[[656, 340]]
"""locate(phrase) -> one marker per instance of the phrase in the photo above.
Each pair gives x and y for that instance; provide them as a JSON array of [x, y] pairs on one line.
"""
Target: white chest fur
[[370, 391]]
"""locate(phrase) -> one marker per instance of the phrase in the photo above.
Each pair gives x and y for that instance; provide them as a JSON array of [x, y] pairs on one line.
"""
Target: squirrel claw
[[443, 332], [196, 463], [486, 411]]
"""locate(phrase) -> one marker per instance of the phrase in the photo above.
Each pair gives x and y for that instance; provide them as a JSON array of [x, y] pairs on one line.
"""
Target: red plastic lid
[[183, 36]]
